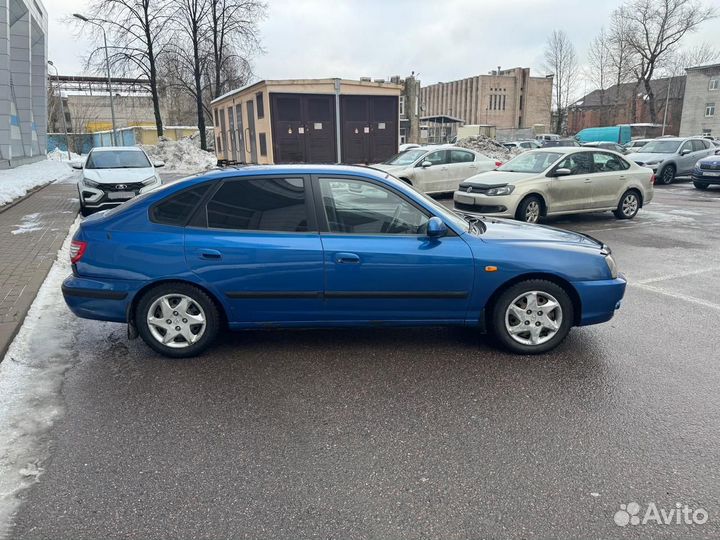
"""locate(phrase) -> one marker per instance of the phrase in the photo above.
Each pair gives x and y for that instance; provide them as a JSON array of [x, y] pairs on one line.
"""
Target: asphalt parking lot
[[399, 433]]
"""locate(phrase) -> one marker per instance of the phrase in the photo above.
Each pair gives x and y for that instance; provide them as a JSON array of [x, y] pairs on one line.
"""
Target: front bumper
[[706, 176], [102, 300], [108, 196], [600, 299], [500, 206]]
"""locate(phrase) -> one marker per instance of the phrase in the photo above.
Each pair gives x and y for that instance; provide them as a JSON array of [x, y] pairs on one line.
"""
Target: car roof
[[247, 170], [114, 148]]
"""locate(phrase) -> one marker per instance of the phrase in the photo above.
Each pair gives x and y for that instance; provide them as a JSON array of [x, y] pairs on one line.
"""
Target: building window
[[263, 144], [714, 84], [260, 105], [710, 109], [402, 106], [217, 118], [219, 144]]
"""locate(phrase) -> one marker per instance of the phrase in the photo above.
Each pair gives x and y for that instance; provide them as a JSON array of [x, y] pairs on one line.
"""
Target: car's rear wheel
[[667, 175], [701, 185], [177, 320], [532, 317], [529, 210], [628, 206]]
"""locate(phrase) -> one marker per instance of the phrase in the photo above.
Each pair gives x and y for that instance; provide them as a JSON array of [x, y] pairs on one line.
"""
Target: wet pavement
[[396, 433]]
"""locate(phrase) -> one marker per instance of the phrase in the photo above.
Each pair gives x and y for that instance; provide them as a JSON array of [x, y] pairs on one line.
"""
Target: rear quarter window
[[179, 207]]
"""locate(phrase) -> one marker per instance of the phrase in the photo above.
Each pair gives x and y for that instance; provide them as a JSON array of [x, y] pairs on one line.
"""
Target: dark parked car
[[706, 172], [319, 246], [606, 145]]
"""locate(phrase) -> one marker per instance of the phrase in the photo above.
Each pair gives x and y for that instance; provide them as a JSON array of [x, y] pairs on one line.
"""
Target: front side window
[[661, 147], [436, 158], [687, 147], [697, 145], [117, 159], [259, 204], [578, 163], [358, 207]]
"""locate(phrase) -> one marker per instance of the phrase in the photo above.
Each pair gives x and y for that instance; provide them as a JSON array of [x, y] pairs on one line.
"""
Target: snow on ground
[[181, 156], [17, 182], [60, 155], [28, 223]]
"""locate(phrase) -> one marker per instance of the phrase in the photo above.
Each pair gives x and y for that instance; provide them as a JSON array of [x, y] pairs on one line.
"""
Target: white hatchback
[[437, 169], [113, 175]]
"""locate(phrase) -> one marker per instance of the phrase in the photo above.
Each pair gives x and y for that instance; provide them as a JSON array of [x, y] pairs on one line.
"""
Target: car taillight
[[498, 163], [652, 180], [77, 250]]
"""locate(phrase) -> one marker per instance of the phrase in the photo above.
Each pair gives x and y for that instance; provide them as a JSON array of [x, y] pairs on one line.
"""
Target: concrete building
[[23, 82], [701, 106], [508, 98], [308, 121], [628, 104]]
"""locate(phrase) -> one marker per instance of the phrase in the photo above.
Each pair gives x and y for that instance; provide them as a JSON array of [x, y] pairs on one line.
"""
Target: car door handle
[[347, 258], [210, 254]]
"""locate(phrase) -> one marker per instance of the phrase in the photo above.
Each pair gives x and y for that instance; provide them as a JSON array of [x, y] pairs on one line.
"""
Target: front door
[[572, 192], [256, 241], [433, 178], [380, 265]]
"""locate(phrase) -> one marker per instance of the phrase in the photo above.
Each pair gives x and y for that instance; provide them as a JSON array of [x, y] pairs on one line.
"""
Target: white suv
[[113, 175]]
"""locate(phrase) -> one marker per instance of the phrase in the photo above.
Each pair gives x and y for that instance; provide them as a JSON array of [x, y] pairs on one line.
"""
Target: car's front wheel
[[529, 210], [532, 317], [667, 175], [628, 206], [177, 320]]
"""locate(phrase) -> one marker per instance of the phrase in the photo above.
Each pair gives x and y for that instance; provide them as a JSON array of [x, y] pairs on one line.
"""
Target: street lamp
[[62, 109], [107, 62]]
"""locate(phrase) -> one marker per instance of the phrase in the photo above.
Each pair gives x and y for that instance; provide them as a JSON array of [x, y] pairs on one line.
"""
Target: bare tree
[[138, 31], [190, 46], [235, 37], [600, 71], [561, 60], [656, 27], [621, 55]]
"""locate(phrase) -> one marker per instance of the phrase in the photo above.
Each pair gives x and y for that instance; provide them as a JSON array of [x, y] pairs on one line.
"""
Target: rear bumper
[[106, 300], [600, 299]]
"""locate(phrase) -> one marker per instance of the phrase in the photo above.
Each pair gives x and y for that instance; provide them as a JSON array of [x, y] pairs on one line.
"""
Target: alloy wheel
[[176, 320], [533, 318], [630, 205], [532, 212]]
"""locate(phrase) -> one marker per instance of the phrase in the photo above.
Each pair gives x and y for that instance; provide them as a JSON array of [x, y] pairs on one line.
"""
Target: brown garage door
[[369, 128], [303, 128]]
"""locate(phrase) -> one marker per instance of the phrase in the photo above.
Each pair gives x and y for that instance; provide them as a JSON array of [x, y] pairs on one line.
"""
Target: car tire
[[530, 209], [504, 318], [667, 175], [197, 319], [701, 185], [628, 206]]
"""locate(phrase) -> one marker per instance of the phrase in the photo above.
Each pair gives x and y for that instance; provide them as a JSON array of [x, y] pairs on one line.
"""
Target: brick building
[[627, 104], [508, 98]]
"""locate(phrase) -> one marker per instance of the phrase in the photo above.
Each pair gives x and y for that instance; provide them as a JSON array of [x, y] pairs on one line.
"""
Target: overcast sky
[[442, 40]]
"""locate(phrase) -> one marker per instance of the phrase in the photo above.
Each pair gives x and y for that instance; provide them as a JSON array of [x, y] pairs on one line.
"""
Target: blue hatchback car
[[328, 246]]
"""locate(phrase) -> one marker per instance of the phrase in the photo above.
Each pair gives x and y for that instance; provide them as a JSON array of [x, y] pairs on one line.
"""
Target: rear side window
[[460, 156], [177, 209], [259, 204]]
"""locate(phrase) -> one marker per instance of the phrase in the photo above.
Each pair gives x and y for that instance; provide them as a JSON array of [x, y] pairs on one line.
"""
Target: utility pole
[[107, 63], [62, 109]]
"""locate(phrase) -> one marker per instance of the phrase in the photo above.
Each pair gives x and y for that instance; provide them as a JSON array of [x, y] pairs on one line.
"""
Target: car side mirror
[[158, 163], [436, 227], [562, 172], [77, 165], [685, 152], [425, 164]]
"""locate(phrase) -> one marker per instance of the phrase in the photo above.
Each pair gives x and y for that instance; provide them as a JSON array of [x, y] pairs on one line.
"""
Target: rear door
[[609, 179], [462, 165], [573, 192], [255, 241], [379, 264]]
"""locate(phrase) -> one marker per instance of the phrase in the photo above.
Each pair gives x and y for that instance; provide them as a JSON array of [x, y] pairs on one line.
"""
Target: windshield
[[408, 157], [661, 147], [531, 162], [117, 159]]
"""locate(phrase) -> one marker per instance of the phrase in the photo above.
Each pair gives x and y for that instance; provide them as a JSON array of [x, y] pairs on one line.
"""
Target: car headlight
[[504, 190], [149, 181], [90, 183], [612, 266]]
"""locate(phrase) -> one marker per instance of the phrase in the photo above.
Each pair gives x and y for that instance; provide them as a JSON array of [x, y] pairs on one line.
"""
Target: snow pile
[[184, 155], [61, 155], [28, 223], [488, 147], [17, 182]]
